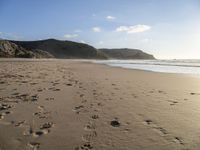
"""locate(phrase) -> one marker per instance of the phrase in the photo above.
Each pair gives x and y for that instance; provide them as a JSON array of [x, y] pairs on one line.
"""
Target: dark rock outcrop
[[11, 50]]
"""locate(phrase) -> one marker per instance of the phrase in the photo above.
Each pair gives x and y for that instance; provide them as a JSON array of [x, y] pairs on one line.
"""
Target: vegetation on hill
[[126, 54], [63, 49], [52, 48]]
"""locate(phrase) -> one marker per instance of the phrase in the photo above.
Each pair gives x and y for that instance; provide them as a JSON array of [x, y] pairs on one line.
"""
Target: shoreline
[[96, 106], [179, 74], [90, 61]]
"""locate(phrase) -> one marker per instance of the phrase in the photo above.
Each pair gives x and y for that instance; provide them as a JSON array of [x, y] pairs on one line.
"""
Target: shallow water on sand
[[167, 66]]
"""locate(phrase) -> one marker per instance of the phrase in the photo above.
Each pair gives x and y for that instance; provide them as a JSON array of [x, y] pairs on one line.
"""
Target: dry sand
[[73, 105]]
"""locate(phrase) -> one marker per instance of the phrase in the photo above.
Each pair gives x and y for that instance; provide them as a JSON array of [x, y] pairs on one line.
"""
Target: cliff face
[[11, 50], [126, 54]]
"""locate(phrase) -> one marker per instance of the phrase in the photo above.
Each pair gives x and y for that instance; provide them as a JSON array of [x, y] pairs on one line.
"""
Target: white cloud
[[133, 29], [82, 41], [96, 29], [70, 36], [110, 18], [101, 42]]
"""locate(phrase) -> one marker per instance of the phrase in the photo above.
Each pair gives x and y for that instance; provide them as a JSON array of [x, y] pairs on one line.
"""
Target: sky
[[168, 29]]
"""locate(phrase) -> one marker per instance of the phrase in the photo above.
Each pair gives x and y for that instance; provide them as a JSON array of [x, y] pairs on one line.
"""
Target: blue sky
[[165, 28]]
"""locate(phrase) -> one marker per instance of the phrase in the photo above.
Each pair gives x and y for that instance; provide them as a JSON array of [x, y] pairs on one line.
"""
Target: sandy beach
[[76, 105]]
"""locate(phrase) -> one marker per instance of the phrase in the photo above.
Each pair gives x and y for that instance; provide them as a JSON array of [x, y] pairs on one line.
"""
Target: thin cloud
[[70, 36], [110, 18], [96, 29], [82, 41], [101, 42], [133, 29], [11, 36]]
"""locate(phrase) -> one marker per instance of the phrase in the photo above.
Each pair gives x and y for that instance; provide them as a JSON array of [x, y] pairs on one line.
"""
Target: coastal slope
[[125, 53], [52, 48], [63, 49]]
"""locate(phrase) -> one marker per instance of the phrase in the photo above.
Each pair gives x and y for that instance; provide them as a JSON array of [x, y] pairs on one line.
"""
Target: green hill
[[126, 54], [63, 49], [52, 48]]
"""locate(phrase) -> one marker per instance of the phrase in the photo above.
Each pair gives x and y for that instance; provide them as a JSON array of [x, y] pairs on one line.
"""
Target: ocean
[[185, 66]]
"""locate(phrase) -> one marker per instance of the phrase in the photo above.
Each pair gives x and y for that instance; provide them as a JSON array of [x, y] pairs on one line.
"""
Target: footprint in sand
[[53, 89], [27, 97], [94, 93], [192, 93], [84, 101], [172, 102], [34, 145], [68, 84], [2, 82], [39, 90], [161, 92], [49, 99], [19, 123], [47, 125], [163, 132], [81, 95], [34, 97], [115, 123], [90, 126], [86, 146], [178, 140], [158, 129], [3, 114], [33, 83], [100, 104], [77, 109], [56, 89], [36, 133], [95, 116], [88, 137], [54, 84], [5, 107], [42, 114], [40, 132]]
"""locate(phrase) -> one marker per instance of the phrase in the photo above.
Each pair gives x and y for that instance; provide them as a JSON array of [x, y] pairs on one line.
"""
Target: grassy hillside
[[126, 54], [63, 49]]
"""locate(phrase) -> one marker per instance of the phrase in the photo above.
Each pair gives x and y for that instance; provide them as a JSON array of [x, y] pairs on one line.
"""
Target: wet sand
[[74, 105]]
